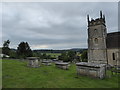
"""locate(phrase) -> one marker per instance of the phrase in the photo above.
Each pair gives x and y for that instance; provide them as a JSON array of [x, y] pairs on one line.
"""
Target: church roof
[[113, 40]]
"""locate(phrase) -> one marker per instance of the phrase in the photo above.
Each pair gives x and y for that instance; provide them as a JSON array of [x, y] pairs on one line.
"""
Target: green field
[[16, 74], [55, 55]]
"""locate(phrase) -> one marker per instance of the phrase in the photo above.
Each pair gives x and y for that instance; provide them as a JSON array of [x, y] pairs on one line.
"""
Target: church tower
[[97, 33]]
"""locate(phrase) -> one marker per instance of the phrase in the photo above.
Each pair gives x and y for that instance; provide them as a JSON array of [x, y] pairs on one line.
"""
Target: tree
[[84, 56], [71, 55], [67, 56], [13, 54], [44, 56], [23, 50], [5, 48], [64, 57]]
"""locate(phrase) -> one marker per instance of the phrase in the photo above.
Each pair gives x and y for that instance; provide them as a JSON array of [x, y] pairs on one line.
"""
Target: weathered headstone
[[91, 69], [33, 62]]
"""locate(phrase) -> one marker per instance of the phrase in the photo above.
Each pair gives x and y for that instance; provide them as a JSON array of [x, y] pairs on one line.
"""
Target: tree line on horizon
[[23, 51]]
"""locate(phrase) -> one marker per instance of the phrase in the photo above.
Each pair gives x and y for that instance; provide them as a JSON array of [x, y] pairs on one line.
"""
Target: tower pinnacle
[[104, 17], [88, 18], [101, 14]]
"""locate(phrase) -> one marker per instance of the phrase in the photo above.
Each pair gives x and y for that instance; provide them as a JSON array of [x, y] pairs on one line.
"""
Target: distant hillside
[[78, 49], [53, 51], [59, 51]]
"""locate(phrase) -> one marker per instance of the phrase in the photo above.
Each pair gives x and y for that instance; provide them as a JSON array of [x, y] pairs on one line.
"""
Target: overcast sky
[[53, 25]]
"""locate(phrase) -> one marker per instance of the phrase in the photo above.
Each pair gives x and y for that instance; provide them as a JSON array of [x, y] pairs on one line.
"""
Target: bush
[[67, 56], [84, 56]]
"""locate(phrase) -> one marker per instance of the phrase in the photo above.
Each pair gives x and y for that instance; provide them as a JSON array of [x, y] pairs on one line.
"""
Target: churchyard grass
[[16, 74]]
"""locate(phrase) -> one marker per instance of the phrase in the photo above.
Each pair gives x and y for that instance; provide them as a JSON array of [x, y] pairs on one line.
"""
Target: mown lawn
[[16, 74]]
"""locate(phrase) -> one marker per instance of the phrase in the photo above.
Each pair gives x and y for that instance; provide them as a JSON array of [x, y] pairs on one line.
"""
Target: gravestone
[[62, 65], [33, 62], [91, 69]]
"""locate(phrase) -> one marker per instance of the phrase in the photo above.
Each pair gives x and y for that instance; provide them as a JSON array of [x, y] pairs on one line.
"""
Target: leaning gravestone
[[91, 69], [62, 65], [33, 62]]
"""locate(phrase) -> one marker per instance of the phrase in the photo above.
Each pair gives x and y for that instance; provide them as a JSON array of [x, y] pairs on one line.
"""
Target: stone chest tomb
[[62, 65], [47, 63], [91, 69], [33, 62]]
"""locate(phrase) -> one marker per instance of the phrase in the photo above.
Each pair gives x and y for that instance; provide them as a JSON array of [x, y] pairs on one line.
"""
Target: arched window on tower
[[96, 41], [113, 55], [95, 31]]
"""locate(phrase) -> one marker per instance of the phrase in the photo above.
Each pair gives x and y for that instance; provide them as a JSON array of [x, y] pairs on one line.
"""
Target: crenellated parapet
[[98, 21]]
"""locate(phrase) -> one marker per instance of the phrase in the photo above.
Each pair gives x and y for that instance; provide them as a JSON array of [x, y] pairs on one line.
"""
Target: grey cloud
[[54, 25]]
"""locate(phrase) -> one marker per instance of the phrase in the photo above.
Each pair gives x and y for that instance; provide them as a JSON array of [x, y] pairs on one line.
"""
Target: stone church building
[[103, 47]]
